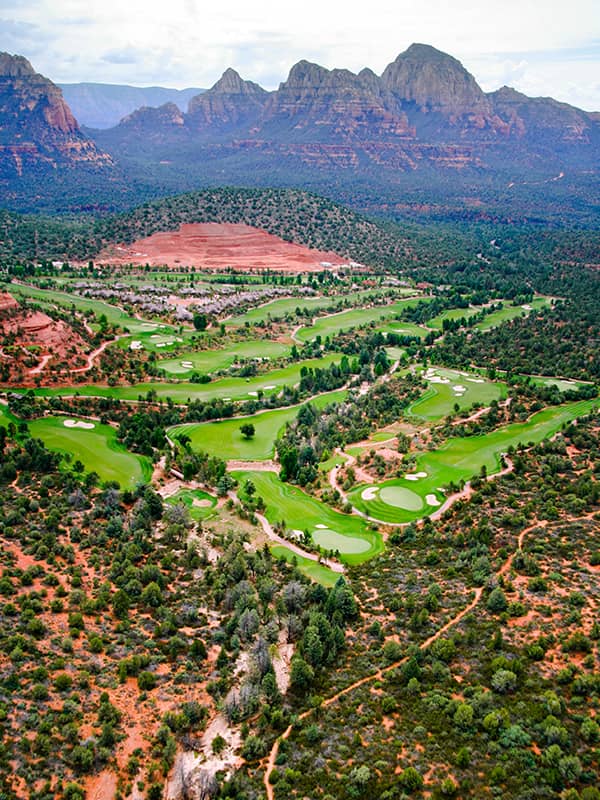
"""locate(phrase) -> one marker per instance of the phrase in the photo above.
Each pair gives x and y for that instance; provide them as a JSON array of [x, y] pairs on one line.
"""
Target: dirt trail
[[253, 466], [378, 675], [43, 361], [91, 357]]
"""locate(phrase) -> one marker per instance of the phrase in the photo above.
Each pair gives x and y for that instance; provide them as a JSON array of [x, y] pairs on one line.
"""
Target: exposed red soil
[[219, 246], [7, 302]]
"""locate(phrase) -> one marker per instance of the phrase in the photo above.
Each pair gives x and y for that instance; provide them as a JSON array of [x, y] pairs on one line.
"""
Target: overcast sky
[[541, 47]]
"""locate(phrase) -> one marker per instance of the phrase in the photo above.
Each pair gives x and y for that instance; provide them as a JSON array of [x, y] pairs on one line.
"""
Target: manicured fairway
[[403, 328], [224, 439], [277, 309], [206, 361], [114, 315], [459, 389], [510, 312], [312, 569], [97, 449], [199, 504], [226, 388], [330, 325], [458, 460], [452, 314], [330, 529]]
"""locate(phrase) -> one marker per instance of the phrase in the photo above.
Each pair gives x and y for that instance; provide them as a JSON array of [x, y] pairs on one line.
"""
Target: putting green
[[224, 438], [400, 497], [331, 540], [299, 511], [98, 450], [511, 312], [199, 504], [459, 459]]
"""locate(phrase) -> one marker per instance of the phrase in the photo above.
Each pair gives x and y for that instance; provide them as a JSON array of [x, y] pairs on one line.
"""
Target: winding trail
[[379, 674], [91, 357], [43, 361]]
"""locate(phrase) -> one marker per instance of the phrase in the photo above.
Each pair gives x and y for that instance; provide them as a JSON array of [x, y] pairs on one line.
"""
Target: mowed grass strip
[[452, 314], [439, 399], [224, 439], [277, 309], [330, 529], [511, 312], [207, 361], [199, 504], [98, 450], [312, 569], [181, 392], [403, 328], [354, 317], [113, 314], [459, 459]]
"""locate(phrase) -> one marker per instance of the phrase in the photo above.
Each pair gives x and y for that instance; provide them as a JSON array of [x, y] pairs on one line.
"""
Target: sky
[[540, 47]]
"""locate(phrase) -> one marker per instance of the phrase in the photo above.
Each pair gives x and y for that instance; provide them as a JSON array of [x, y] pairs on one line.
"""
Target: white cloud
[[535, 46]]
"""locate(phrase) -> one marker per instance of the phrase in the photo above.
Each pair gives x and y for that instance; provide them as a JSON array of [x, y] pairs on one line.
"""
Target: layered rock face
[[230, 104], [37, 128]]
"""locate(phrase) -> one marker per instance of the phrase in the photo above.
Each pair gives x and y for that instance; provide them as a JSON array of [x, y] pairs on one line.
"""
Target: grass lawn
[[458, 460], [403, 328], [225, 388], [354, 317], [312, 569], [510, 312], [97, 449], [452, 314], [277, 309], [114, 314], [200, 504], [330, 529], [206, 361], [440, 398], [224, 439]]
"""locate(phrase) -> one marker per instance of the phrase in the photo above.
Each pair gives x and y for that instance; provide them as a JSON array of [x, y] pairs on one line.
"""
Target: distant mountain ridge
[[103, 105], [421, 136]]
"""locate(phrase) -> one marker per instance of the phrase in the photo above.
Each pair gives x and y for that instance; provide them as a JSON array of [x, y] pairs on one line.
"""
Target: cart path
[[379, 674]]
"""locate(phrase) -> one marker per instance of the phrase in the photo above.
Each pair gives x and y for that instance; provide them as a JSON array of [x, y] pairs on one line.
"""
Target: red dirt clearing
[[218, 246]]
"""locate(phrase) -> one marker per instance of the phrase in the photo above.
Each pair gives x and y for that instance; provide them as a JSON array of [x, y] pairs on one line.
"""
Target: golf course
[[449, 388], [299, 512], [224, 438], [420, 492], [200, 505], [208, 361], [96, 446]]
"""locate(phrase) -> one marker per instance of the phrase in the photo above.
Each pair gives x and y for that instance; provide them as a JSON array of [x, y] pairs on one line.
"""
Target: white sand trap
[[150, 325], [322, 527], [437, 379], [459, 388], [160, 344], [370, 493], [421, 474], [476, 380], [411, 477], [432, 500], [266, 388], [203, 503], [187, 364], [527, 308], [168, 343], [297, 533], [253, 394], [78, 423], [155, 336], [136, 345]]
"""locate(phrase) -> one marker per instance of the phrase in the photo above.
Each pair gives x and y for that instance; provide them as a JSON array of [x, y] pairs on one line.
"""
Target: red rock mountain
[[37, 128]]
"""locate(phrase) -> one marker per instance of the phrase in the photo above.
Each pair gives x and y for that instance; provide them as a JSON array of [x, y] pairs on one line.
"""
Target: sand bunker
[[220, 246], [297, 533], [459, 389], [204, 503], [136, 345], [432, 500], [253, 394], [527, 307], [187, 364], [415, 476], [370, 493], [267, 388], [437, 379], [78, 423], [476, 380], [321, 527]]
